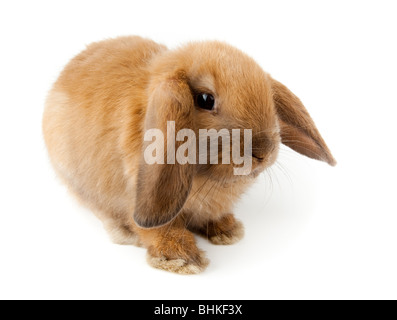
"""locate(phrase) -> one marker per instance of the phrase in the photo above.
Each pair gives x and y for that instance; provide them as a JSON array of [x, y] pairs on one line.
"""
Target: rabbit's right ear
[[297, 129], [162, 189]]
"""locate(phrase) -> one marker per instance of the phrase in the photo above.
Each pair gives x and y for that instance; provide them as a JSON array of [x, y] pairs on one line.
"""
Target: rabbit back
[[93, 120]]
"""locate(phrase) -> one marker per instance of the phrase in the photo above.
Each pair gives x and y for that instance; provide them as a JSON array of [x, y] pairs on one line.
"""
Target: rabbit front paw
[[227, 230], [180, 265]]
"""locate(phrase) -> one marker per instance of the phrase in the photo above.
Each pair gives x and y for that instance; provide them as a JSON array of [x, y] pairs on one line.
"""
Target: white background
[[315, 232]]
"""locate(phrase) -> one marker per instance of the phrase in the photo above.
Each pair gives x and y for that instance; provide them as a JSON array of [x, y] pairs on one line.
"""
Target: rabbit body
[[94, 122]]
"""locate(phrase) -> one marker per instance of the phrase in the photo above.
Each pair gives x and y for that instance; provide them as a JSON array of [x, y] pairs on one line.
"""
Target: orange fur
[[107, 96]]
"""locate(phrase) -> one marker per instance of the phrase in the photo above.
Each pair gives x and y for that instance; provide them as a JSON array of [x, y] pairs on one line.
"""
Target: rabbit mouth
[[224, 175]]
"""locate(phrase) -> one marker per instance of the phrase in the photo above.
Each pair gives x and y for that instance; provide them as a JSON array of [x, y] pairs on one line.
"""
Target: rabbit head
[[211, 85]]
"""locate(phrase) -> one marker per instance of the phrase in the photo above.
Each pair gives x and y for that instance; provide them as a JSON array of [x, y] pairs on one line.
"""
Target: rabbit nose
[[263, 147], [260, 158]]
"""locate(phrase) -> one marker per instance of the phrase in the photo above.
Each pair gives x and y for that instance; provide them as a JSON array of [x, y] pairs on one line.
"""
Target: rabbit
[[108, 96]]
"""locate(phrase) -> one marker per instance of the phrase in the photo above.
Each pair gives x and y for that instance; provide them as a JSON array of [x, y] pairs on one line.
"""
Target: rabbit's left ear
[[297, 129], [162, 189]]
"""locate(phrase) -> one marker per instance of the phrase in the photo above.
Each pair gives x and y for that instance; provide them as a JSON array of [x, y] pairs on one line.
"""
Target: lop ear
[[162, 189], [297, 129]]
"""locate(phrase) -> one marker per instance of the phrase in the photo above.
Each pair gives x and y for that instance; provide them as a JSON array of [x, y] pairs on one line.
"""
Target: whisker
[[267, 173], [285, 173]]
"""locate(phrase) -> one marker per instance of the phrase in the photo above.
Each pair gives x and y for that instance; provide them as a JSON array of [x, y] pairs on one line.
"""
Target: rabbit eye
[[205, 101]]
